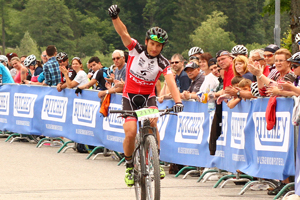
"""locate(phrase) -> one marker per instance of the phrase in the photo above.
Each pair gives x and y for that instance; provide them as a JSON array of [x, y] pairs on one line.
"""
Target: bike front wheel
[[139, 178], [152, 181]]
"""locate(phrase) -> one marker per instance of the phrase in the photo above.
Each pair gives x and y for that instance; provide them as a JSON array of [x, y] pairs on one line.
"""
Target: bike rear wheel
[[152, 182]]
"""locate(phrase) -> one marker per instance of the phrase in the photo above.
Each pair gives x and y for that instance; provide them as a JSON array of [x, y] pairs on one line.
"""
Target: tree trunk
[[3, 31], [295, 22]]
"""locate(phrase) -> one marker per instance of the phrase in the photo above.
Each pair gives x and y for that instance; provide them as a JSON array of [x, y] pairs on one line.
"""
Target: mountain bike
[[145, 155]]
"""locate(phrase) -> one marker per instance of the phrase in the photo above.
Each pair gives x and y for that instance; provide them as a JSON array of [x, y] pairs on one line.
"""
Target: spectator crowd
[[230, 76]]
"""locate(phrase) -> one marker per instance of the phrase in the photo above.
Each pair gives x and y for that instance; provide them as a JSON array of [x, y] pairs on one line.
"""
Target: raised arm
[[118, 24]]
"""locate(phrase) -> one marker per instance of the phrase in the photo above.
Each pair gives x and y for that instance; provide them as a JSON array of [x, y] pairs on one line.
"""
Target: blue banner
[[245, 143]]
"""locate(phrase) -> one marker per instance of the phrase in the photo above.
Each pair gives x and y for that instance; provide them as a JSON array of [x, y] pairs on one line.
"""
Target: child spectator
[[244, 84]]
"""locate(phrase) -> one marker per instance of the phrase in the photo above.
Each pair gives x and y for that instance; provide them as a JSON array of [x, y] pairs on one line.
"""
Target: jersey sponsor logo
[[189, 128], [24, 105], [222, 139], [140, 82], [141, 62], [238, 123], [145, 68], [84, 112], [4, 103], [276, 139], [54, 108], [113, 122]]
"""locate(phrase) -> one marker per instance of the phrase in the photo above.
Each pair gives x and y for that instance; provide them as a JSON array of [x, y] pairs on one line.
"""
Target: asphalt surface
[[30, 173]]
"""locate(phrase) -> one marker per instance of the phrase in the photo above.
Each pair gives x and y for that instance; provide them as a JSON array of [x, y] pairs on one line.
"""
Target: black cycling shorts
[[137, 101]]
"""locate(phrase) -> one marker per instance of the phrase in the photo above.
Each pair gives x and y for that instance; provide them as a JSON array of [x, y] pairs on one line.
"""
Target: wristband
[[260, 76], [190, 96], [107, 92]]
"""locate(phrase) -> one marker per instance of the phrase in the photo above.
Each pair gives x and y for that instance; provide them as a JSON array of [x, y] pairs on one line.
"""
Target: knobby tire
[[153, 168]]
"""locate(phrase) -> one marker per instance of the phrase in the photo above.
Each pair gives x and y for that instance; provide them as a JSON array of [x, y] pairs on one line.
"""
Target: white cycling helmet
[[255, 90], [297, 38], [3, 58], [195, 50], [29, 60], [295, 58], [239, 49]]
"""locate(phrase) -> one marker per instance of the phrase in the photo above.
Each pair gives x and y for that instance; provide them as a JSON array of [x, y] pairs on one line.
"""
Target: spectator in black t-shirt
[[63, 60], [98, 79]]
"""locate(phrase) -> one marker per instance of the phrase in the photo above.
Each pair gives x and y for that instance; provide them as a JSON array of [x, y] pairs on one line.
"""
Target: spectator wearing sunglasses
[[269, 56], [118, 58], [116, 81], [44, 57], [51, 67], [63, 60], [288, 85], [182, 80]]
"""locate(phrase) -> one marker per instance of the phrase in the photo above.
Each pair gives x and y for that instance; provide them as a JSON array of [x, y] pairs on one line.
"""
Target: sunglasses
[[257, 60], [268, 56], [157, 39], [294, 66], [194, 57], [175, 62], [62, 60], [116, 58], [225, 53]]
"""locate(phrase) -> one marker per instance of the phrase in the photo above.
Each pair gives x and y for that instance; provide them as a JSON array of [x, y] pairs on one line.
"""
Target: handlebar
[[132, 112]]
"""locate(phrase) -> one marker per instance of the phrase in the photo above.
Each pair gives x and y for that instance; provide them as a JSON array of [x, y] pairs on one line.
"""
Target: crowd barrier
[[245, 143]]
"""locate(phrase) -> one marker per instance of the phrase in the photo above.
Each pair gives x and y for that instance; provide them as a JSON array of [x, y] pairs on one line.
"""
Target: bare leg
[[130, 129]]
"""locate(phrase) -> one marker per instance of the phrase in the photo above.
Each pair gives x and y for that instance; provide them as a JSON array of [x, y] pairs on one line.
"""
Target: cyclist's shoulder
[[163, 62]]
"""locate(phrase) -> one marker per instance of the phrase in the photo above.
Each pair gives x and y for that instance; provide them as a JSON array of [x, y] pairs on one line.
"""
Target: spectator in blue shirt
[[5, 74], [51, 67], [182, 80]]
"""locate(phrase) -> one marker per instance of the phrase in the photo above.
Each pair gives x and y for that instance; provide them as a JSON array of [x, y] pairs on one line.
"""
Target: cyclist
[[144, 66], [239, 50], [63, 60], [195, 51]]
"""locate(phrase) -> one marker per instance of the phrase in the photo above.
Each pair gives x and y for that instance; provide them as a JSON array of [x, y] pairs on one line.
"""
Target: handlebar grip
[[115, 111]]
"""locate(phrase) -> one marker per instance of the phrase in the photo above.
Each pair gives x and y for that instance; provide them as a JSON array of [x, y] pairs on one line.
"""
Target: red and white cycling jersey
[[142, 71]]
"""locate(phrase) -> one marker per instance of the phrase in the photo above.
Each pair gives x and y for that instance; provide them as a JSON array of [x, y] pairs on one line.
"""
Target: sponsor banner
[[5, 110], [185, 140], [272, 149], [245, 143], [113, 133], [231, 145]]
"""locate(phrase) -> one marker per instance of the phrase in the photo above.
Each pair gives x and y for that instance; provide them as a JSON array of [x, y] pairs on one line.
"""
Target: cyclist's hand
[[113, 11], [178, 107], [78, 90]]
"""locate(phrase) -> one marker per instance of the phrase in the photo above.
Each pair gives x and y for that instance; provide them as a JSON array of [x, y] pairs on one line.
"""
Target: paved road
[[30, 173]]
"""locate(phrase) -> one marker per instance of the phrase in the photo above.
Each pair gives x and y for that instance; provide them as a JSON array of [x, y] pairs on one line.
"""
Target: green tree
[[255, 45], [211, 36], [189, 15], [9, 23], [89, 44], [28, 46], [48, 22]]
